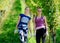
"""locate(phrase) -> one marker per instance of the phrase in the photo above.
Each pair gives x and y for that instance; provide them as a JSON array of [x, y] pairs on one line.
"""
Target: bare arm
[[18, 22], [46, 26], [46, 22], [29, 26], [34, 24], [16, 30]]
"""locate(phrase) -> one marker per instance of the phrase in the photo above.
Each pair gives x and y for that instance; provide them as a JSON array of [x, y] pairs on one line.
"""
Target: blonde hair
[[26, 8]]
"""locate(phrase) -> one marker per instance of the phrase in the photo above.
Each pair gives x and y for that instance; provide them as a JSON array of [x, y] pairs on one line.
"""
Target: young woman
[[40, 26], [23, 25]]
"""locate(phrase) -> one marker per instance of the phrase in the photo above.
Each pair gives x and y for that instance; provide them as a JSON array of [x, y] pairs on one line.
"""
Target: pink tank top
[[40, 22]]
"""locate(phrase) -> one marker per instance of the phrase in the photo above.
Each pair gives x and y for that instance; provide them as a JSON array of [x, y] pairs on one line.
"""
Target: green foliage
[[57, 36], [48, 8], [9, 25]]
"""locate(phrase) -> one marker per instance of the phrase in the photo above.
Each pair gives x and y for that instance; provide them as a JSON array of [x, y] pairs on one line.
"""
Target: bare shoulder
[[44, 17]]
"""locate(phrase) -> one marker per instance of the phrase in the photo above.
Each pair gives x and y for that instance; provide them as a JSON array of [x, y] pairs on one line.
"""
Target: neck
[[39, 15], [26, 13]]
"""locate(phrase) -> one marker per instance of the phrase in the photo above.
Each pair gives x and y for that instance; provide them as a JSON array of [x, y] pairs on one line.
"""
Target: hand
[[47, 33], [15, 31], [46, 27], [44, 35]]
